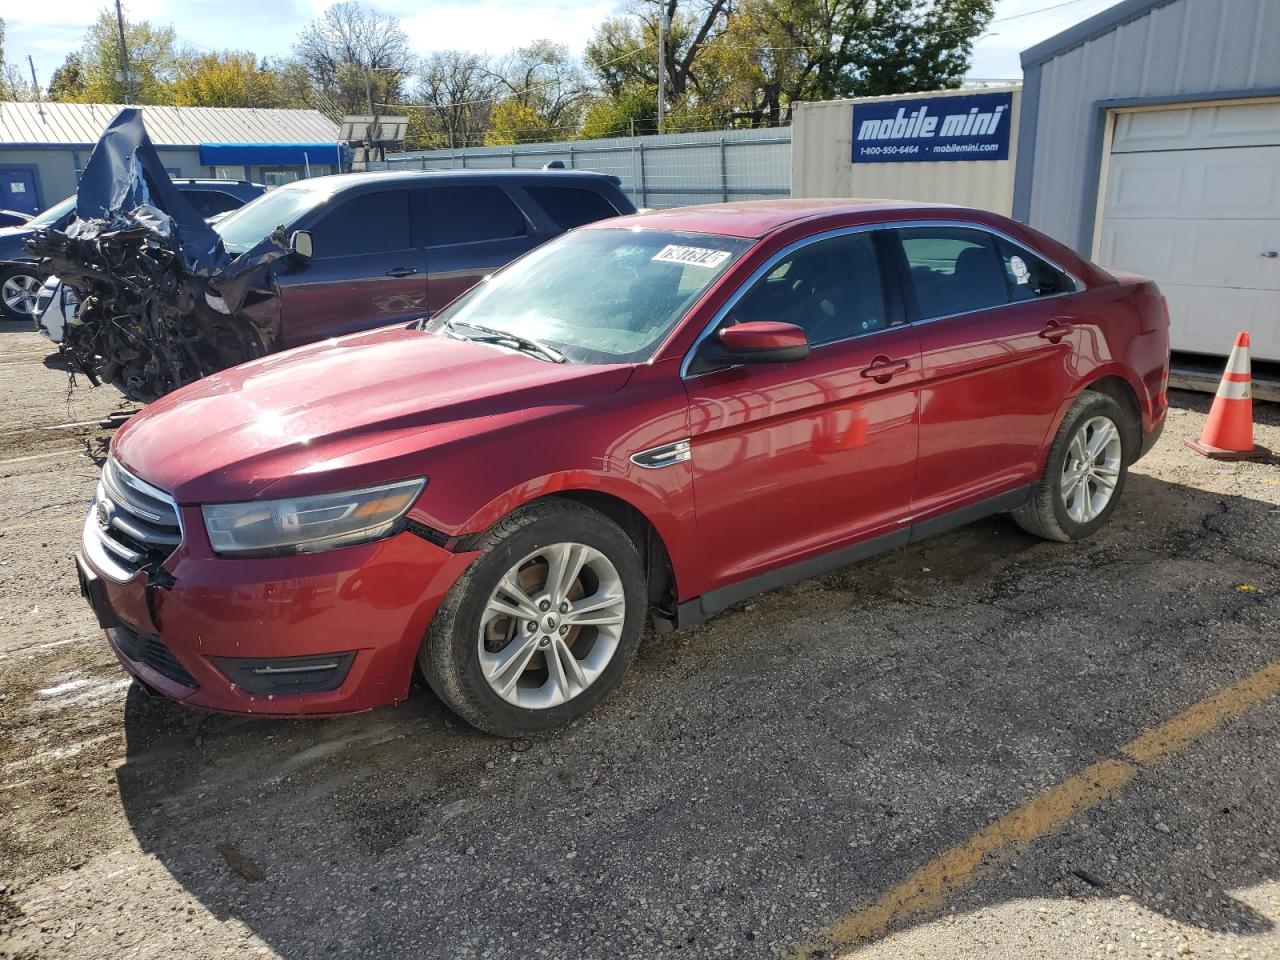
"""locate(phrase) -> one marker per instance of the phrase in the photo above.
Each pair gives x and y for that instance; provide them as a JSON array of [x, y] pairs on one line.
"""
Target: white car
[[56, 308]]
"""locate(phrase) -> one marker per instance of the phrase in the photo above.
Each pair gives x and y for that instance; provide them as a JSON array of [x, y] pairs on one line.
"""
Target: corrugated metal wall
[[1181, 48], [822, 148], [666, 171]]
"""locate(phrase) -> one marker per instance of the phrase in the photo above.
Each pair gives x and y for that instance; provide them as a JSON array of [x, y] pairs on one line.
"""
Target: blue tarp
[[259, 154]]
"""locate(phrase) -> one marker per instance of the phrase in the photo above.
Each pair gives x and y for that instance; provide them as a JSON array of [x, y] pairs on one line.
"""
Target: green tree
[[152, 61], [630, 111], [516, 122], [68, 82], [624, 50], [231, 78], [749, 64]]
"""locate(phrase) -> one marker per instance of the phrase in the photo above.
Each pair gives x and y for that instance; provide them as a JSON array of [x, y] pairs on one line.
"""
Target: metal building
[[1150, 141], [826, 161], [44, 146]]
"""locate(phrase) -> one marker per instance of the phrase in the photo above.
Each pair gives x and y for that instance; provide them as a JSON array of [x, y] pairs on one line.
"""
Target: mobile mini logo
[[920, 124]]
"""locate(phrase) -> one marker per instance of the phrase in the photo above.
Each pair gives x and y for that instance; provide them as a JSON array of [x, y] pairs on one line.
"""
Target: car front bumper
[[325, 633]]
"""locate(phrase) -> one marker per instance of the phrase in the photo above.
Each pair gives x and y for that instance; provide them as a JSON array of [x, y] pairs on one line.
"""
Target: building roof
[[1090, 29], [81, 124]]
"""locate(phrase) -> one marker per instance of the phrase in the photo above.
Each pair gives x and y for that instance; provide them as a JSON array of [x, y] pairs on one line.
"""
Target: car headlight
[[309, 524]]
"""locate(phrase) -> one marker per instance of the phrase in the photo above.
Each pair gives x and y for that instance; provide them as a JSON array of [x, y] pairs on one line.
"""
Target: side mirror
[[300, 244], [760, 341]]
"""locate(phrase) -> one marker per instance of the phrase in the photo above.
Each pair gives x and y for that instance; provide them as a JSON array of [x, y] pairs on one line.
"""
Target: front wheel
[[1084, 473], [543, 625], [18, 289]]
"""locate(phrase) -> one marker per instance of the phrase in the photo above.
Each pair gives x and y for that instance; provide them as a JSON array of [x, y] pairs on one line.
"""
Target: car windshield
[[595, 296], [246, 227], [51, 216]]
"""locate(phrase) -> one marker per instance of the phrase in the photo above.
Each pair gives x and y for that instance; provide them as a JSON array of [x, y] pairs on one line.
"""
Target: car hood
[[342, 413]]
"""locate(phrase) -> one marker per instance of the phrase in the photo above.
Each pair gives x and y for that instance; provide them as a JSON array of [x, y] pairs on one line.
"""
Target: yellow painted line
[[963, 864], [1174, 736]]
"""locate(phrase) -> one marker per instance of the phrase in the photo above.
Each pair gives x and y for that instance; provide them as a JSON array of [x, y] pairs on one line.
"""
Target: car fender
[[669, 510]]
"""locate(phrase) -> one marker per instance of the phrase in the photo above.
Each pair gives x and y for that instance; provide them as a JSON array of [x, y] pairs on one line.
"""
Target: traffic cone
[[1228, 433]]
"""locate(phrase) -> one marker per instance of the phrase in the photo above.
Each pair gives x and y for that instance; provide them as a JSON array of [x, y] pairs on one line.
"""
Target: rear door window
[[466, 214], [571, 206], [368, 223], [953, 270]]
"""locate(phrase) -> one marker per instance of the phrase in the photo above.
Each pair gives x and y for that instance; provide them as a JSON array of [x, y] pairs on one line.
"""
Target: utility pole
[[663, 24], [124, 56], [36, 84]]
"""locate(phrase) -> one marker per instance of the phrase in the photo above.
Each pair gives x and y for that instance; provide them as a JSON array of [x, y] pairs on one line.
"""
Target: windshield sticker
[[691, 256], [1019, 268]]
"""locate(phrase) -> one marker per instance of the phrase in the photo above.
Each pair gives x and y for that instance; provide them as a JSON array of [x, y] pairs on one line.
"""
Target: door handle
[[401, 272], [1271, 254], [882, 369], [1055, 330]]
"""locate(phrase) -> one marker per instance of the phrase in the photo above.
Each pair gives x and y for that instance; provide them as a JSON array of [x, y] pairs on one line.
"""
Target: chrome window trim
[[760, 272], [1078, 285]]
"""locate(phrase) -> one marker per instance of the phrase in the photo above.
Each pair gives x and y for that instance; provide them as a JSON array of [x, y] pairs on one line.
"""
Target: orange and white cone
[[1228, 433]]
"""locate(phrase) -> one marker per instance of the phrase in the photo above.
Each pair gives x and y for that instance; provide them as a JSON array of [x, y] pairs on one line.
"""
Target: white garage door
[[1193, 202]]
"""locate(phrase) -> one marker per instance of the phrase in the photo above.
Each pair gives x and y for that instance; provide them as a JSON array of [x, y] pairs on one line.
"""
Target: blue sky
[[48, 31]]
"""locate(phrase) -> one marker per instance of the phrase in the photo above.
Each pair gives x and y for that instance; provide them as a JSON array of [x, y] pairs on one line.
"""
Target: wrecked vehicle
[[165, 298], [56, 304], [145, 268]]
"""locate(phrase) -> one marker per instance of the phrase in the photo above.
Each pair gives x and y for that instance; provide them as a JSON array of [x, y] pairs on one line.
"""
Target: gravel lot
[[752, 782]]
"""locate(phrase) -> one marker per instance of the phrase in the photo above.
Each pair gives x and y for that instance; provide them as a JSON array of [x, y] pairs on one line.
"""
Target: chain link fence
[[656, 171]]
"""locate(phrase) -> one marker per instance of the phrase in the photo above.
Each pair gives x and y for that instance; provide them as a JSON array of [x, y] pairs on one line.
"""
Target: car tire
[[472, 654], [1068, 501], [21, 282]]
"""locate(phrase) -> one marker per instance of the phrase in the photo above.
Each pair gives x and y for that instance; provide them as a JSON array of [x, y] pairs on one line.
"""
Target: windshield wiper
[[506, 338]]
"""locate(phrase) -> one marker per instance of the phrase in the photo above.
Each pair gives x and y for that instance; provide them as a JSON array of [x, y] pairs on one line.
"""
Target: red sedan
[[649, 418]]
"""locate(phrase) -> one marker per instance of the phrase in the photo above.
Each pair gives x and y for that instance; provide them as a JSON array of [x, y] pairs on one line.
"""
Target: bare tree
[[456, 90], [355, 55]]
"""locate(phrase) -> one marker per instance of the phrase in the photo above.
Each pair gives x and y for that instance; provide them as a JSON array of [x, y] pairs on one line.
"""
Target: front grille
[[144, 648], [130, 525]]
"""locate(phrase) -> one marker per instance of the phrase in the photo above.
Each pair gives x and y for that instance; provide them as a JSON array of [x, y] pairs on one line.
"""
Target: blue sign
[[970, 127]]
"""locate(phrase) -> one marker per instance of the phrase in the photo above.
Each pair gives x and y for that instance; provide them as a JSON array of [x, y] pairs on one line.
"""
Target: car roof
[[752, 219], [342, 181]]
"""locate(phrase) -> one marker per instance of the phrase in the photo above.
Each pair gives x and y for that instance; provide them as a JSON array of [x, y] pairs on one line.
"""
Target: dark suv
[[377, 248], [21, 273]]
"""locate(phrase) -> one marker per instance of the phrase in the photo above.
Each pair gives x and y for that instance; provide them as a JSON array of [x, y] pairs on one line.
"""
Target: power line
[[499, 97]]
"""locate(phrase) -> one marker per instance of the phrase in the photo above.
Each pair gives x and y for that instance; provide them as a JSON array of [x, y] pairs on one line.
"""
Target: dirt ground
[[757, 787]]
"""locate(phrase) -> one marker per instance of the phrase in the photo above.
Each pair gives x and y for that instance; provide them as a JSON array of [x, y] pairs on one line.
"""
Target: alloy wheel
[[551, 626], [19, 293], [1091, 469]]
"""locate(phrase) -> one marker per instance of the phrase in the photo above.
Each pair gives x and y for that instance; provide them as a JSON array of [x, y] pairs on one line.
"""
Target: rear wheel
[[1084, 473], [18, 289], [543, 625]]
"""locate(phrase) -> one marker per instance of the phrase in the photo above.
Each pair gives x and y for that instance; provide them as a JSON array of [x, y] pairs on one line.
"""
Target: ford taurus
[[647, 419]]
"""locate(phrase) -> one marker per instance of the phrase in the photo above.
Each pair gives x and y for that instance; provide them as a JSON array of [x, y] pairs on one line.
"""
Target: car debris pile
[[162, 302]]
